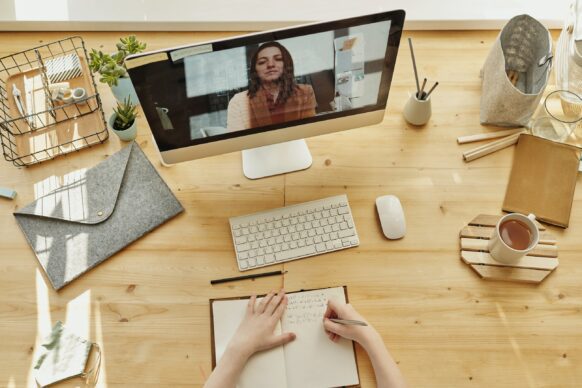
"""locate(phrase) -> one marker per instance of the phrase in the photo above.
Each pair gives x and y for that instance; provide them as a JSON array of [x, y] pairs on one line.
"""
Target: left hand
[[256, 331]]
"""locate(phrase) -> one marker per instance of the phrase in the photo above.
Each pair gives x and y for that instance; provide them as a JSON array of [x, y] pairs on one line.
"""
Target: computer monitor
[[264, 93]]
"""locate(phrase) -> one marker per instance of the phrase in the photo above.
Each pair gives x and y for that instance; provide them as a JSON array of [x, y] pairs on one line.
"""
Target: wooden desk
[[148, 305]]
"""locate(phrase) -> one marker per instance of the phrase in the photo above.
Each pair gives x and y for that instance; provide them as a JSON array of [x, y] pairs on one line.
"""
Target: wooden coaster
[[533, 268]]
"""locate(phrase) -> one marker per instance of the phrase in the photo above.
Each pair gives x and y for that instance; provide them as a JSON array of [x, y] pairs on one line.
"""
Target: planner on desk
[[311, 360]]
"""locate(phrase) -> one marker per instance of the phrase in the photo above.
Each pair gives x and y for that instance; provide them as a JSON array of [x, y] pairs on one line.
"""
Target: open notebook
[[312, 360]]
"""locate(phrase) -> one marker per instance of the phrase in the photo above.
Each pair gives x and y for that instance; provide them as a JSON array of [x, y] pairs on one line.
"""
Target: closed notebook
[[543, 179], [79, 225], [312, 360]]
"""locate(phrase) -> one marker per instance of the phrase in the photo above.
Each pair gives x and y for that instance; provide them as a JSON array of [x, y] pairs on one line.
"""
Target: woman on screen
[[273, 96]]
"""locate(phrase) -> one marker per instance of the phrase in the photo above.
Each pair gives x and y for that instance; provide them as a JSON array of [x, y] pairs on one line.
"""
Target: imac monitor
[[263, 93]]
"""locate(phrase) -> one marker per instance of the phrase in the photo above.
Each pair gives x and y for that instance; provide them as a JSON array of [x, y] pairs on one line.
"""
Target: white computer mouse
[[391, 216]]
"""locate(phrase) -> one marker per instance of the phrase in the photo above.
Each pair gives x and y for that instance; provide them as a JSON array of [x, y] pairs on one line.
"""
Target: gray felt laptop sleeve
[[78, 226]]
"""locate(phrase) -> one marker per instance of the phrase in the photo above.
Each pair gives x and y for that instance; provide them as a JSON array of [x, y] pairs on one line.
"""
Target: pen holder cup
[[417, 112]]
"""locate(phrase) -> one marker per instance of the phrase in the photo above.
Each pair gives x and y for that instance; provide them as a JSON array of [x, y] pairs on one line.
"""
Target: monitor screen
[[194, 95]]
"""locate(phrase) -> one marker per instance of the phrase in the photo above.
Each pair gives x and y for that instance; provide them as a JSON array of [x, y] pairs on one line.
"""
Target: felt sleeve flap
[[89, 199]]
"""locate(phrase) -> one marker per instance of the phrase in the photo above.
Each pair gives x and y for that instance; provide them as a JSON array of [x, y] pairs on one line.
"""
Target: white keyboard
[[293, 232]]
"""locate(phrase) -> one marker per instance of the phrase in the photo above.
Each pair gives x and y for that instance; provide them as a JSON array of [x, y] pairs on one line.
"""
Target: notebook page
[[263, 370], [313, 360]]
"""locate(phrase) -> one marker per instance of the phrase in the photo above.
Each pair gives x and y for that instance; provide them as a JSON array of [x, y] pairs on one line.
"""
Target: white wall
[[254, 15]]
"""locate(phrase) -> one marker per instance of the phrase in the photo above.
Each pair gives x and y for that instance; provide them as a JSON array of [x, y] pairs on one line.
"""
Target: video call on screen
[[333, 71]]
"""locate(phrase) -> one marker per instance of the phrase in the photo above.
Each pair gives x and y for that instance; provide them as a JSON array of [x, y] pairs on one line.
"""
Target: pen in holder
[[417, 111]]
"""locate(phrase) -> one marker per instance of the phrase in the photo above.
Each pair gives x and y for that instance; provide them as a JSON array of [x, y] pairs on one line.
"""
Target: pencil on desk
[[252, 276], [348, 322]]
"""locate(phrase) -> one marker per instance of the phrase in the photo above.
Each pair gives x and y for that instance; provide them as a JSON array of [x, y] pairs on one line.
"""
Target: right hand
[[361, 334]]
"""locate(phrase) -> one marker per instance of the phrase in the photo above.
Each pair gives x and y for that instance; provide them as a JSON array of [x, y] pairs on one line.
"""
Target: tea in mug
[[515, 234]]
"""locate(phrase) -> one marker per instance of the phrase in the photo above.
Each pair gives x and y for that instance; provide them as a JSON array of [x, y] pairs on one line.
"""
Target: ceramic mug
[[501, 251]]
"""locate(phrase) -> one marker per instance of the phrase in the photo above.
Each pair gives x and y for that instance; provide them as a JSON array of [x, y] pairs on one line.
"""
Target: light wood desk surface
[[148, 305]]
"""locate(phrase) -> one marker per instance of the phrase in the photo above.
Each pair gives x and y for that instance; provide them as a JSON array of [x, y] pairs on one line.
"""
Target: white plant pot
[[128, 134], [123, 89]]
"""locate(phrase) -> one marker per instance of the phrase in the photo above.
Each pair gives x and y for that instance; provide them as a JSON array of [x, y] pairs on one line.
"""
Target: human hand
[[256, 331], [363, 335]]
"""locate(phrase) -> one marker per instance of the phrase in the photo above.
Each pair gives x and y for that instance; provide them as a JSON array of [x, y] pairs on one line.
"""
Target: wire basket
[[38, 128]]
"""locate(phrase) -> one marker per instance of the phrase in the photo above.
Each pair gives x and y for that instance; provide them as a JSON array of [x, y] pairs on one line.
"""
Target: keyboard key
[[255, 245], [337, 244], [252, 262], [329, 245], [325, 237], [342, 210], [343, 225], [243, 247], [346, 242], [334, 235], [252, 253], [240, 240], [260, 260], [346, 233], [243, 255], [237, 233], [269, 258], [243, 264], [320, 247], [235, 227], [293, 253], [293, 245]]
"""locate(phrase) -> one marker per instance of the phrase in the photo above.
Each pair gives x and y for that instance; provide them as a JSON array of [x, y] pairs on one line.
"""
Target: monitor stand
[[276, 159]]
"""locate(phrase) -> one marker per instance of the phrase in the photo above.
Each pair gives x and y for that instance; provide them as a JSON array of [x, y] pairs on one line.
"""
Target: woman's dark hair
[[287, 80]]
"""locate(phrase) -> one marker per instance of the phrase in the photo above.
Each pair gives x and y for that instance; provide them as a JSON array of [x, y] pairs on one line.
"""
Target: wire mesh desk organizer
[[39, 118]]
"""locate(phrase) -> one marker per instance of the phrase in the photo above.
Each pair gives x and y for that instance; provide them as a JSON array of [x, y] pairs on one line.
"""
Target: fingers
[[275, 302], [280, 308], [334, 329], [283, 339], [251, 305], [329, 312], [265, 302]]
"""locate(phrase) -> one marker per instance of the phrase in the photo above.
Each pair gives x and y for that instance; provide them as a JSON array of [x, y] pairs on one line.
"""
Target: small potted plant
[[112, 70], [122, 122]]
